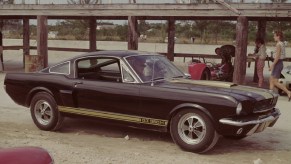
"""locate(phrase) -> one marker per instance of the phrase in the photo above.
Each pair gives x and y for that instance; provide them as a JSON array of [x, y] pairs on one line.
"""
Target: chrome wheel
[[191, 128], [43, 112]]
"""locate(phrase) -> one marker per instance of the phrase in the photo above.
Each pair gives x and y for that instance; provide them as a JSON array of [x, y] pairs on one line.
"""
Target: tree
[[201, 25]]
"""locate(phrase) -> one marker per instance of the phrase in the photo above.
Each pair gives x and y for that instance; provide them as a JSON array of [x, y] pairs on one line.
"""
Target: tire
[[205, 75], [198, 138], [235, 137], [45, 113]]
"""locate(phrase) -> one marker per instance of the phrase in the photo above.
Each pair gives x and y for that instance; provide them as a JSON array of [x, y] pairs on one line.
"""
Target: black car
[[143, 90]]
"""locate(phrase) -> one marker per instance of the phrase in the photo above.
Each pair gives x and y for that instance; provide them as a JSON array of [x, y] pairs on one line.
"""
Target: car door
[[98, 89]]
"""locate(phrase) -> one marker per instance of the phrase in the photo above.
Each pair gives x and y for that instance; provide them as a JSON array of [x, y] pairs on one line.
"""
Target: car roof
[[117, 53]]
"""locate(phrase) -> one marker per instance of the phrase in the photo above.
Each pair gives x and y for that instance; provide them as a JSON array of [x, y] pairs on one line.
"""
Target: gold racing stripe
[[265, 93], [205, 83], [113, 116], [219, 84]]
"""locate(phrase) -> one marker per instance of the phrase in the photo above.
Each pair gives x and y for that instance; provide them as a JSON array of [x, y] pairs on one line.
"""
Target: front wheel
[[44, 112], [192, 130]]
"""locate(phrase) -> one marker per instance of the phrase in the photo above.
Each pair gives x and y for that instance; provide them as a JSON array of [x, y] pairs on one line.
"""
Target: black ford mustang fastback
[[143, 90]]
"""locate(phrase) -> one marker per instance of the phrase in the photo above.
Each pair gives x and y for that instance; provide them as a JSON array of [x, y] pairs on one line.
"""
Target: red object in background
[[196, 70], [25, 155]]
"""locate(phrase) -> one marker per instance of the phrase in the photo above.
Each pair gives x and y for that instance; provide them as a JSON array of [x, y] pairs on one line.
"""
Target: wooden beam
[[92, 34], [132, 34], [171, 39], [42, 39], [228, 6], [26, 38], [252, 10], [241, 50]]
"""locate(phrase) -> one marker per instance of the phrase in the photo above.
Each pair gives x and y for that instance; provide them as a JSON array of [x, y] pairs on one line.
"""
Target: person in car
[[225, 69]]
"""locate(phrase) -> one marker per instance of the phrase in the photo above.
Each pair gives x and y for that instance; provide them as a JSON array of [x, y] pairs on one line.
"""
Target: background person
[[260, 57], [277, 65]]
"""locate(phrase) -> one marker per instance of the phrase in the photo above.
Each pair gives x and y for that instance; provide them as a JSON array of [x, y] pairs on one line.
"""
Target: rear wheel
[[193, 131], [44, 112]]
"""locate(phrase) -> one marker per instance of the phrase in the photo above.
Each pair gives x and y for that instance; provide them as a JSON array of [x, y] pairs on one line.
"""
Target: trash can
[[33, 63]]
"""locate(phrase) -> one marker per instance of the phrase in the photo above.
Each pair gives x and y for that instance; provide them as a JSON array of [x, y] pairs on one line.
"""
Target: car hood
[[226, 88]]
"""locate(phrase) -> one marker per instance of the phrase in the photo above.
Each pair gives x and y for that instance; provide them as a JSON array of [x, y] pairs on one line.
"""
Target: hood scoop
[[205, 83]]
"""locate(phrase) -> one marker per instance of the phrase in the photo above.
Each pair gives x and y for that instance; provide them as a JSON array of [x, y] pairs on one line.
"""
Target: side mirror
[[188, 76]]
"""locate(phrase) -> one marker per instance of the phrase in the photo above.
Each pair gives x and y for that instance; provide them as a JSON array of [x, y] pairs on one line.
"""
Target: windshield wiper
[[177, 77]]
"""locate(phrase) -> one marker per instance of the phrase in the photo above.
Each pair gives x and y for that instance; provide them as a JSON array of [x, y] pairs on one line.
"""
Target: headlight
[[238, 108]]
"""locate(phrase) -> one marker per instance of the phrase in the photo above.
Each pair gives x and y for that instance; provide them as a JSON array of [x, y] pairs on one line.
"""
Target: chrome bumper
[[264, 119]]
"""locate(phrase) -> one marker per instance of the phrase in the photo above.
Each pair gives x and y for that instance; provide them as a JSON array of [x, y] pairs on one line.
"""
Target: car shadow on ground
[[260, 142], [90, 126]]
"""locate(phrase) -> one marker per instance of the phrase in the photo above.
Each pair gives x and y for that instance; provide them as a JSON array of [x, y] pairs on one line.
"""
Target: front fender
[[190, 105]]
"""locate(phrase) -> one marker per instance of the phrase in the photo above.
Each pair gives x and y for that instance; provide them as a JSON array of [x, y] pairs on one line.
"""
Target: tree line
[[203, 31]]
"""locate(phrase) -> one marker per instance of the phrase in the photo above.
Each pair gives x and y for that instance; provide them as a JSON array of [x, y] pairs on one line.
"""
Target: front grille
[[264, 105]]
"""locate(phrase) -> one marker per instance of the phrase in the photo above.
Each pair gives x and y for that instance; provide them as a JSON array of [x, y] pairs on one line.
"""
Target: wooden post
[[26, 38], [132, 34], [42, 39], [1, 47], [171, 39], [261, 33], [241, 50], [1, 52], [92, 34]]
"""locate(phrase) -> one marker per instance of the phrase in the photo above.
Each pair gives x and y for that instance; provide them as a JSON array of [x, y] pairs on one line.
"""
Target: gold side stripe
[[113, 116], [205, 83]]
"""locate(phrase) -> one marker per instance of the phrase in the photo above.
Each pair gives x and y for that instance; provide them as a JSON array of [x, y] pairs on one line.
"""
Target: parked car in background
[[285, 78], [143, 90], [200, 69]]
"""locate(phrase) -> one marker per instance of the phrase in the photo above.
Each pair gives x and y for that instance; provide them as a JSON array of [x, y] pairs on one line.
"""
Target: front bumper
[[253, 124]]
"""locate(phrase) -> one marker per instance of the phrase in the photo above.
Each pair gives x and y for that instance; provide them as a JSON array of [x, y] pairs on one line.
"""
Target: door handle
[[76, 83]]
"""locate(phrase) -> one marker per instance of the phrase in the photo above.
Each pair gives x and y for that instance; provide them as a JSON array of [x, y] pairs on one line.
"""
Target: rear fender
[[34, 91], [196, 69]]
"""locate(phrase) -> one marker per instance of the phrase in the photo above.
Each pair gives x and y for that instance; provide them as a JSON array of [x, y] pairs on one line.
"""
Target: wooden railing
[[185, 55]]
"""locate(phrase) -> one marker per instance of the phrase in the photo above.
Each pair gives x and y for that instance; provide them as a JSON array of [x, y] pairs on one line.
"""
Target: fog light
[[239, 131]]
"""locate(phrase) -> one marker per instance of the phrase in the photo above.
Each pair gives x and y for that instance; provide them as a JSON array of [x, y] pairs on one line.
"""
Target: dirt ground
[[87, 141]]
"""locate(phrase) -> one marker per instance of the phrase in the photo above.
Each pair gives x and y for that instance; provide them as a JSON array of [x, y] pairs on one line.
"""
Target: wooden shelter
[[240, 12]]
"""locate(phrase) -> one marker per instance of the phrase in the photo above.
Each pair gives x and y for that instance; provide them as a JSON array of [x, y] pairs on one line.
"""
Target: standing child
[[260, 57]]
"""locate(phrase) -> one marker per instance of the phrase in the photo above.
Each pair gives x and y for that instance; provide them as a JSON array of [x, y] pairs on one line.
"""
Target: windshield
[[153, 67]]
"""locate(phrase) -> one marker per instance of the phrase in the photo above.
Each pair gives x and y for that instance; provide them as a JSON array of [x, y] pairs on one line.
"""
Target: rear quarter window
[[63, 68]]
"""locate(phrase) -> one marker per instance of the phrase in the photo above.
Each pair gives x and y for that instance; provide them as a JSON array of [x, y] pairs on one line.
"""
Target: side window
[[99, 69], [126, 76], [63, 68]]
